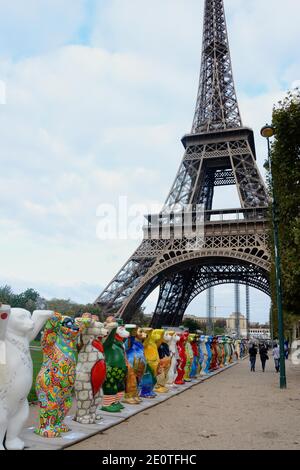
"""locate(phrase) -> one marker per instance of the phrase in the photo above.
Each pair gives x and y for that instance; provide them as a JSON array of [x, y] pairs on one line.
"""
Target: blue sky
[[98, 96]]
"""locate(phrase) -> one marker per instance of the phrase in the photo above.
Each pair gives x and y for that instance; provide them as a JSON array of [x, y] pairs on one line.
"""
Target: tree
[[191, 324], [285, 157], [6, 295], [30, 300], [220, 323], [27, 299], [139, 318], [219, 330]]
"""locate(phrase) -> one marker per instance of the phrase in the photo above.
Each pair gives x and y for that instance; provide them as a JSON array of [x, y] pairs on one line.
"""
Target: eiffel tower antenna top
[[217, 107]]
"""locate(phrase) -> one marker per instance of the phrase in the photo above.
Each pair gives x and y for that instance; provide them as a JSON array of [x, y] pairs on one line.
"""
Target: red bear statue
[[181, 362]]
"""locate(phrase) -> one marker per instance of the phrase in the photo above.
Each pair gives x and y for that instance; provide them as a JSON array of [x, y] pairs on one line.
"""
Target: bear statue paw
[[87, 419], [14, 444], [179, 382], [114, 408], [148, 395], [63, 428], [161, 389], [131, 401], [49, 433]]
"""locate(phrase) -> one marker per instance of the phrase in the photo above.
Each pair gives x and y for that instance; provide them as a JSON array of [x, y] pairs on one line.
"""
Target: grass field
[[37, 357]]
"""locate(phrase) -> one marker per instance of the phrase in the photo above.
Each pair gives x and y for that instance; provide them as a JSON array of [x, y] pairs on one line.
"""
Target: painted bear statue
[[151, 345], [116, 368], [17, 329], [56, 379], [90, 371], [148, 381], [181, 363], [194, 339], [189, 359], [164, 363], [172, 374], [136, 365]]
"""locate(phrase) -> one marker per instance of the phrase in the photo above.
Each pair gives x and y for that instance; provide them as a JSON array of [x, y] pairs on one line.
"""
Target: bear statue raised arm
[[16, 372]]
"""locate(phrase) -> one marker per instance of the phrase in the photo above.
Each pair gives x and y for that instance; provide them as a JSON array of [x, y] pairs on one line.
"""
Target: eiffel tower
[[230, 246]]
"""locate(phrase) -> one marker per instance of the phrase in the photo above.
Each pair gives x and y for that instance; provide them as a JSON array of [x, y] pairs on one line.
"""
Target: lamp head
[[267, 131]]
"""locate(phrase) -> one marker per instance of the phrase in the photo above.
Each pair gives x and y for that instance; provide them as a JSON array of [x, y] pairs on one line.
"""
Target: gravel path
[[234, 410]]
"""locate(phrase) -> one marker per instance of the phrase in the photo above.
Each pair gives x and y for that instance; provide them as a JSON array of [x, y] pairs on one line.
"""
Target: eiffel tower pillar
[[247, 309], [210, 312], [237, 304], [189, 247]]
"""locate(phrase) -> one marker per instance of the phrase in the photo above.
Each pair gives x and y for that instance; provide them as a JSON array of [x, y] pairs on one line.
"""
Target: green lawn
[[37, 357]]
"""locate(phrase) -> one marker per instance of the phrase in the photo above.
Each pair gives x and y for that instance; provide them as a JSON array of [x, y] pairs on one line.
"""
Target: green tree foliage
[[219, 327], [286, 180], [31, 300], [218, 330], [6, 295], [27, 299], [139, 318], [191, 324]]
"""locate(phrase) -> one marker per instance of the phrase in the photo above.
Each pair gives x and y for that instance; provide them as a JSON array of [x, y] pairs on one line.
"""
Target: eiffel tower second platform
[[189, 247]]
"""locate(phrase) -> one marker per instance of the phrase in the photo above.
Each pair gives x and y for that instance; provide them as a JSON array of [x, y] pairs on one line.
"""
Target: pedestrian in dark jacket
[[263, 352], [252, 354]]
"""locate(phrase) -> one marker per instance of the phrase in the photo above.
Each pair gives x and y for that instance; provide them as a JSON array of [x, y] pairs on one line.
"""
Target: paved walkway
[[234, 410], [80, 432]]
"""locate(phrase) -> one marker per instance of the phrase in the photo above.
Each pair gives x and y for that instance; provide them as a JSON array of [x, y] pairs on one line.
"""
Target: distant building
[[204, 320], [255, 330], [231, 323], [260, 333]]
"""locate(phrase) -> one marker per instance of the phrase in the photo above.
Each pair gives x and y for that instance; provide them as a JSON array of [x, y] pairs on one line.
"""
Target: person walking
[[252, 354], [276, 356], [286, 349], [263, 352]]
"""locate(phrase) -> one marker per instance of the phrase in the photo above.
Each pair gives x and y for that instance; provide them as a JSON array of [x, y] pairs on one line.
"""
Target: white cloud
[[34, 26], [84, 124]]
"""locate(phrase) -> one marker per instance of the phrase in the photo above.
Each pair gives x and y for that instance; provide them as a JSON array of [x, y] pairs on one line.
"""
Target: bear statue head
[[157, 336], [122, 332], [20, 322], [69, 325], [167, 338], [191, 337], [94, 329], [140, 334], [184, 336], [146, 334]]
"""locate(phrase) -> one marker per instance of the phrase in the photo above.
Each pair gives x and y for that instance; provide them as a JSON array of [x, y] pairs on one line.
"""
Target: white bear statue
[[172, 374], [16, 373]]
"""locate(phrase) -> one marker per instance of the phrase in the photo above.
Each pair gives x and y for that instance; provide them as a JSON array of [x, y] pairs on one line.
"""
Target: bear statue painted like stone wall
[[90, 372]]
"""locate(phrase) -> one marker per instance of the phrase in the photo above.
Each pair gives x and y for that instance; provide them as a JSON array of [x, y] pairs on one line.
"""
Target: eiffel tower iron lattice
[[229, 246]]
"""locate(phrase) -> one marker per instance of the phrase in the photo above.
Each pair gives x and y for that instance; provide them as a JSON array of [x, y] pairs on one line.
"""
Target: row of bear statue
[[106, 364]]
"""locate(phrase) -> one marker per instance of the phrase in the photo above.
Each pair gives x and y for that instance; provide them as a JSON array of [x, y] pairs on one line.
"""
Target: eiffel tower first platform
[[229, 246]]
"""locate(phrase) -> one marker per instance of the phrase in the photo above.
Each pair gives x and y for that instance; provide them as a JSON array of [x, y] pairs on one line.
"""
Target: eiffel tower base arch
[[180, 283]]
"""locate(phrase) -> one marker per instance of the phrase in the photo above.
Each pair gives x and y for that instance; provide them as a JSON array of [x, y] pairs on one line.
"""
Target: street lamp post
[[268, 132]]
